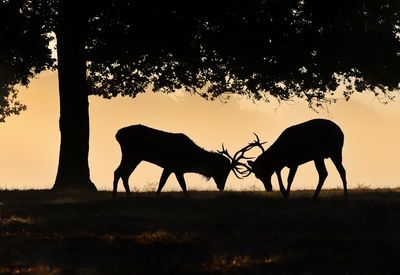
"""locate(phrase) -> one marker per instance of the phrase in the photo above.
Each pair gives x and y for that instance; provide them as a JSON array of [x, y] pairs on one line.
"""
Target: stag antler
[[242, 170], [257, 143]]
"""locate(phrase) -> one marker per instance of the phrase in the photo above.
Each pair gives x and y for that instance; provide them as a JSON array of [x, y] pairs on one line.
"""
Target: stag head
[[262, 173], [221, 172]]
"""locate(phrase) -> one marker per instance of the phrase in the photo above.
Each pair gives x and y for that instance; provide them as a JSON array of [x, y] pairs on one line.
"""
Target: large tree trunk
[[73, 168]]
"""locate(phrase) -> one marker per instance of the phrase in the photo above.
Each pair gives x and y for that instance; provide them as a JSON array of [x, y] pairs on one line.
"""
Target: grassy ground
[[207, 233]]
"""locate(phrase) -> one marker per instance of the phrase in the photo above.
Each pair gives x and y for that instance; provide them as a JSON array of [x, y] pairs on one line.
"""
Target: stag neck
[[273, 158], [205, 163]]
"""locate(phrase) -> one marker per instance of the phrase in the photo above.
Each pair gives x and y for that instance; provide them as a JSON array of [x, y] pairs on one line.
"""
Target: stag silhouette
[[314, 140], [175, 152]]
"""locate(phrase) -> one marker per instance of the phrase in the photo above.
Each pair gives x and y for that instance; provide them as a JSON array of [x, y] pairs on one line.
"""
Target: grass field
[[207, 233]]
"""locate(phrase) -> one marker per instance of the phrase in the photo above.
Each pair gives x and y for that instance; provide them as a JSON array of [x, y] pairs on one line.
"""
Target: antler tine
[[237, 174], [241, 175], [241, 170], [240, 154], [225, 152], [257, 138], [258, 143], [261, 143]]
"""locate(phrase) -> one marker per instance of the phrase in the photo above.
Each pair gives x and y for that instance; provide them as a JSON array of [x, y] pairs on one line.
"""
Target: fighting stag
[[314, 140], [174, 152]]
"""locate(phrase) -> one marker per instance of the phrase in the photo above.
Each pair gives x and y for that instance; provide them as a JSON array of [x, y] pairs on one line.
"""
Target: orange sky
[[29, 143]]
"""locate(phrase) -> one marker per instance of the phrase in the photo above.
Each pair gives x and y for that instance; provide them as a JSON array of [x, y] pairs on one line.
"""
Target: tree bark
[[73, 168]]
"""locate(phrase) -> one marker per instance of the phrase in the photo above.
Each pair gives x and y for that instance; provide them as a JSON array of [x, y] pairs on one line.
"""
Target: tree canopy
[[291, 48], [24, 52], [288, 48]]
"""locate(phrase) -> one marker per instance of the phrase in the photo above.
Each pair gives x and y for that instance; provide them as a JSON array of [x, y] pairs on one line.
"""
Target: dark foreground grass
[[207, 233]]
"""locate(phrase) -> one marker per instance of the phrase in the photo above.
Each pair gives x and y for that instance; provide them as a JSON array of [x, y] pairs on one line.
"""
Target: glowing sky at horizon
[[29, 143]]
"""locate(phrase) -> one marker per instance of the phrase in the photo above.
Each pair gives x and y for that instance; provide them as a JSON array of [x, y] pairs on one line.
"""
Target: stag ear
[[250, 163]]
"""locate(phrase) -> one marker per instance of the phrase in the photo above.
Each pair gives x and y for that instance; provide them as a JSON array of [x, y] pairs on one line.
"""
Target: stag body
[[176, 153], [313, 140]]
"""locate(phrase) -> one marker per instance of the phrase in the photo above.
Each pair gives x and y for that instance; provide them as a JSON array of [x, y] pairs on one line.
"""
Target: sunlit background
[[29, 143]]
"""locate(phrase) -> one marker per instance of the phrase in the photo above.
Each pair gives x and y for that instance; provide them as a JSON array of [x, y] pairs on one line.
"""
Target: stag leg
[[292, 173], [164, 176], [337, 161], [323, 173], [120, 172], [117, 176], [182, 183], [123, 171], [281, 187]]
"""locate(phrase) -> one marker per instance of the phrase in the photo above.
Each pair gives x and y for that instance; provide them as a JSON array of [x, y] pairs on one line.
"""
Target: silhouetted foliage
[[256, 48], [24, 52], [282, 48]]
